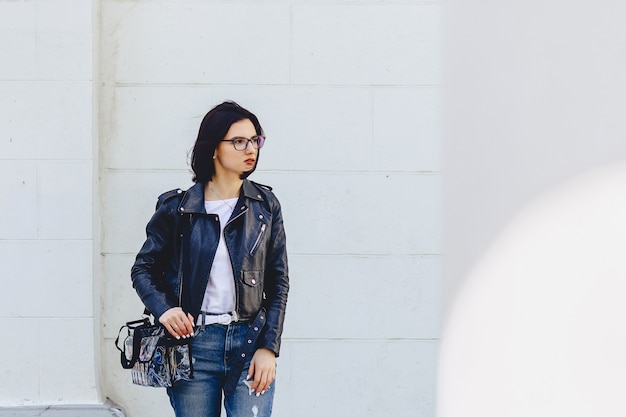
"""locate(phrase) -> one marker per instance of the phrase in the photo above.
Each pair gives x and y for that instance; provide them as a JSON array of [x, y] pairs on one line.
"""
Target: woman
[[214, 267]]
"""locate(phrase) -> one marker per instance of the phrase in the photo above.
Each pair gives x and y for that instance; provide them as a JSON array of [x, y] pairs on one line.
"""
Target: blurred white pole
[[535, 95], [538, 328]]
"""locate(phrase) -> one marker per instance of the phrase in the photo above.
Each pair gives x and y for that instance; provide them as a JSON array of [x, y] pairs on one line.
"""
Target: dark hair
[[213, 129]]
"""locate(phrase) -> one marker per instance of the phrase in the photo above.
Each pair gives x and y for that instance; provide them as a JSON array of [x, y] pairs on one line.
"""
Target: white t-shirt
[[219, 296]]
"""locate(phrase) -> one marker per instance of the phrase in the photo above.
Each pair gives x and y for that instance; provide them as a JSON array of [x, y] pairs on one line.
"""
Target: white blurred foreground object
[[538, 327]]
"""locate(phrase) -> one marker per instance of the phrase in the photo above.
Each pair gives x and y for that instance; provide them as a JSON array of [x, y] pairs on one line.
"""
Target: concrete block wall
[[46, 227], [348, 93]]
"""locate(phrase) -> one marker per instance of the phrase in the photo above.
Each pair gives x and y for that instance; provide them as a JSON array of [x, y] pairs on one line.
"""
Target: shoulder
[[262, 187], [260, 193], [170, 197], [268, 198], [265, 192]]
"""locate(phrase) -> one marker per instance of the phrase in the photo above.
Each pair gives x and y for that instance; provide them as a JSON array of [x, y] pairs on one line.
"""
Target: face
[[229, 161]]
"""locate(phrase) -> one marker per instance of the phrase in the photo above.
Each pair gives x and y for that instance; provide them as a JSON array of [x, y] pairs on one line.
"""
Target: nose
[[249, 148]]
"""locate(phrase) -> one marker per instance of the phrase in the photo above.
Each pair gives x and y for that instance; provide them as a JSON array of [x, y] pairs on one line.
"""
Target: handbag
[[155, 358]]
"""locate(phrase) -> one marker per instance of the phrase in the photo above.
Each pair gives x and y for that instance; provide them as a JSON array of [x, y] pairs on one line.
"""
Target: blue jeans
[[213, 351]]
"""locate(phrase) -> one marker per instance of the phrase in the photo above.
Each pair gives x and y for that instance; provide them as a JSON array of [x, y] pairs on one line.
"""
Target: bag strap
[[129, 325], [180, 263]]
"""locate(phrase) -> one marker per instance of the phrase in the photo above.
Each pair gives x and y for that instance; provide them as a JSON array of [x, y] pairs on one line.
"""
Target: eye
[[258, 141], [239, 142]]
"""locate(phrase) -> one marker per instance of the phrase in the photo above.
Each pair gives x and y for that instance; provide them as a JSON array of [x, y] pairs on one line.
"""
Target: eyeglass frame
[[260, 141]]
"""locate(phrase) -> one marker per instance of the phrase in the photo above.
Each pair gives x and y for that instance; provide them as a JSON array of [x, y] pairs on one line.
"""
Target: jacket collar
[[249, 190], [193, 200]]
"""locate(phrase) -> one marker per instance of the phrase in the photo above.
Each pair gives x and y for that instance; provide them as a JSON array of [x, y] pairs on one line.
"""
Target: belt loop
[[203, 320]]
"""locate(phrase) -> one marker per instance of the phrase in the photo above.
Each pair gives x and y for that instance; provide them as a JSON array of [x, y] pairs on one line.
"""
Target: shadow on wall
[[538, 328]]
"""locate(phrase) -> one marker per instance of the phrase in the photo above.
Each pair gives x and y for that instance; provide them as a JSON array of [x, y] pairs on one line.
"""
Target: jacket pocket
[[251, 278], [251, 294], [258, 240]]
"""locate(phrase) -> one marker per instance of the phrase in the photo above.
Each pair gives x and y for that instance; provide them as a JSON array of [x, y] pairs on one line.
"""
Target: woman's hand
[[262, 370], [177, 323]]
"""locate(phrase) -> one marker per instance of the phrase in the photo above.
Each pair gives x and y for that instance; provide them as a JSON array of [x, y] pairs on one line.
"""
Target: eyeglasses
[[241, 144]]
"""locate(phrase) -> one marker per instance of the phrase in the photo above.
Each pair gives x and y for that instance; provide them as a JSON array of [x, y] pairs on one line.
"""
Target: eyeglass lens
[[242, 143]]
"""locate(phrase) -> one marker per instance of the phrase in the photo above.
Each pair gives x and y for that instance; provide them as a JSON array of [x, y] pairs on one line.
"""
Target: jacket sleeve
[[276, 283], [147, 273]]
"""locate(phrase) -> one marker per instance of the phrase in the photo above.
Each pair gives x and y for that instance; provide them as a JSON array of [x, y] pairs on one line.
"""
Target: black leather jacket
[[256, 243]]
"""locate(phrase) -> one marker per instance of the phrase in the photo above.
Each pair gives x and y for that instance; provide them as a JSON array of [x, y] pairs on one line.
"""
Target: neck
[[220, 188]]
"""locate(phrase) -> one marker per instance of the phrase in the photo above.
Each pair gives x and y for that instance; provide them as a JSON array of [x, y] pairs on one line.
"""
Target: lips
[[249, 161]]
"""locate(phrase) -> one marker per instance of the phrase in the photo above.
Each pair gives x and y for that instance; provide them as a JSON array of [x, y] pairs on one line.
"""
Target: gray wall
[[47, 216], [101, 102], [349, 95]]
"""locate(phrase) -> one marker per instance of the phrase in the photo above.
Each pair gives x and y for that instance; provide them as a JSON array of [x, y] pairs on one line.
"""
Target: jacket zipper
[[236, 217], [258, 239]]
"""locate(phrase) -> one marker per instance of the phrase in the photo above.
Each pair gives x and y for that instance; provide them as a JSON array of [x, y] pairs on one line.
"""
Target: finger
[[183, 327], [256, 374], [178, 325], [261, 379], [177, 329], [181, 324], [169, 321], [189, 325], [265, 383], [270, 378], [260, 386], [256, 383], [173, 329]]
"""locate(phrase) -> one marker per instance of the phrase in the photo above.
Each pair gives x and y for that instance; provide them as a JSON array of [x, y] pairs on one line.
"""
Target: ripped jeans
[[213, 350]]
